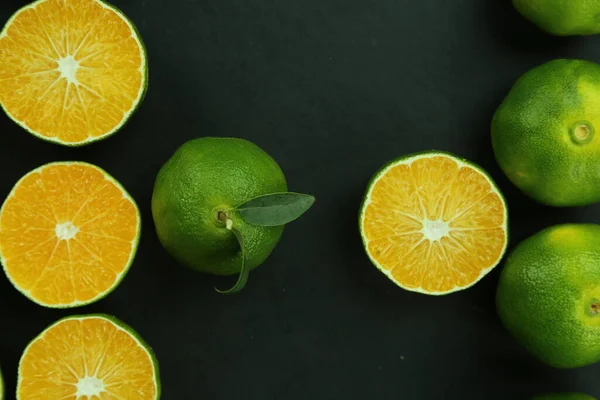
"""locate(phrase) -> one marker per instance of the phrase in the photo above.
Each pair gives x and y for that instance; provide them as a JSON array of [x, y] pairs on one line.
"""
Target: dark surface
[[332, 89]]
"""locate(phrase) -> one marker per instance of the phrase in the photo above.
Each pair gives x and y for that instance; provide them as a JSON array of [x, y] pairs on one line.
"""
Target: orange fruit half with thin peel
[[68, 234], [72, 71], [88, 357], [434, 223]]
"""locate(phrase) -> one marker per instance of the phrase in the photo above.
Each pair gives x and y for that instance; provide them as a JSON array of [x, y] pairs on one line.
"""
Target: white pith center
[[66, 231], [89, 386], [435, 230], [67, 66]]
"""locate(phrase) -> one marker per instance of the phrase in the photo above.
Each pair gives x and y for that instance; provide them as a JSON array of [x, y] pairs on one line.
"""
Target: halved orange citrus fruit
[[88, 357], [68, 234], [434, 223], [72, 71]]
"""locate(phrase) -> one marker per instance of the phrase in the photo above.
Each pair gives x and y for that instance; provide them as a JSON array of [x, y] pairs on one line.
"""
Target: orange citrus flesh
[[72, 71], [68, 233], [434, 224], [87, 358]]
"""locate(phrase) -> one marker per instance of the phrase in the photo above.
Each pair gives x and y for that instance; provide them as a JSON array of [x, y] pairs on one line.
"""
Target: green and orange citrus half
[[68, 234], [88, 357], [433, 223], [72, 71]]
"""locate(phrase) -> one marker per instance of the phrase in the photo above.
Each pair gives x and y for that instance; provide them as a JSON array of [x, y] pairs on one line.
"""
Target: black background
[[332, 89]]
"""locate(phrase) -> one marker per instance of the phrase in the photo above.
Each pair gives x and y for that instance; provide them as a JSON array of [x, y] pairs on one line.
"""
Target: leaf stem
[[244, 271]]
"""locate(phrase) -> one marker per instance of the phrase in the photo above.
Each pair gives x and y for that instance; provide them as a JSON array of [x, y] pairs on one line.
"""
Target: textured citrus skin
[[564, 396], [562, 17], [534, 133], [204, 176], [549, 295]]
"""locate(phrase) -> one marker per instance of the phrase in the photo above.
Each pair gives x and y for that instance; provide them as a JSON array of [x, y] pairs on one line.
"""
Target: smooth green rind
[[204, 176], [1, 386], [545, 292], [410, 158], [563, 396], [275, 209], [244, 271], [532, 133], [119, 324], [133, 248], [562, 17], [136, 103]]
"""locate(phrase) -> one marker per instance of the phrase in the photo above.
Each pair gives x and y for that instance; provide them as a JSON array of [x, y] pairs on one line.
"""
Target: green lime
[[562, 17], [1, 387], [549, 295], [544, 133], [564, 396], [204, 179]]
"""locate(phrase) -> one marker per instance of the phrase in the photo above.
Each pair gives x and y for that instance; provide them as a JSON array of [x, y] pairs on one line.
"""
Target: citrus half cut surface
[[88, 357], [433, 223], [68, 234], [72, 71]]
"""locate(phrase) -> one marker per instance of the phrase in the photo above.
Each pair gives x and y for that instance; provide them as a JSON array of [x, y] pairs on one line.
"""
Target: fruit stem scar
[[595, 308], [582, 132], [223, 217]]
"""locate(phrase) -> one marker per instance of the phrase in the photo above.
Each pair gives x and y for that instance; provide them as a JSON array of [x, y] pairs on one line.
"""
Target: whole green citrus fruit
[[562, 17], [204, 178], [564, 396], [549, 295], [544, 133]]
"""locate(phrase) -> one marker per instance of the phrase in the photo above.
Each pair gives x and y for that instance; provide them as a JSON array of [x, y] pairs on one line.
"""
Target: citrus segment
[[88, 357], [433, 223], [68, 233], [73, 70]]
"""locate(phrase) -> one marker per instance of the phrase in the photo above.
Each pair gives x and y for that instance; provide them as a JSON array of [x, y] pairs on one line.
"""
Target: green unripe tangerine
[[194, 197]]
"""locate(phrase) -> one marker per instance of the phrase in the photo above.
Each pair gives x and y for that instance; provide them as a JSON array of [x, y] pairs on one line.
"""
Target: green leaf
[[244, 272], [275, 209]]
